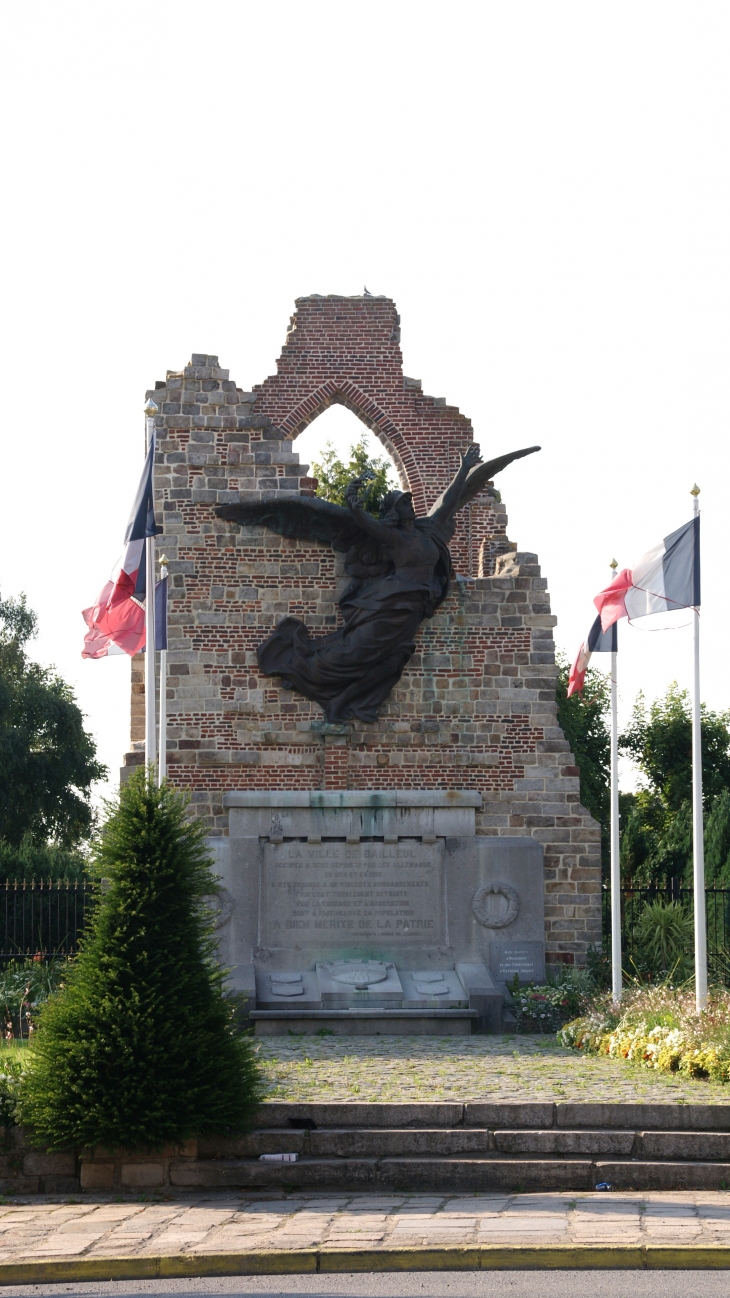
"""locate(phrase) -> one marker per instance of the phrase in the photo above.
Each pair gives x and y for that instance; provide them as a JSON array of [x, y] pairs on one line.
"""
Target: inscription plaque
[[526, 959], [317, 893]]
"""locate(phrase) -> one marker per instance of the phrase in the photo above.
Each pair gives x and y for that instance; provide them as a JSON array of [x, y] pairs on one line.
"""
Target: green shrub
[[25, 986], [598, 966], [138, 1050], [663, 941], [12, 1067]]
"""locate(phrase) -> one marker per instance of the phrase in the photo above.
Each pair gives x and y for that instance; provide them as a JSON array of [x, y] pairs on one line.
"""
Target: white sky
[[542, 187]]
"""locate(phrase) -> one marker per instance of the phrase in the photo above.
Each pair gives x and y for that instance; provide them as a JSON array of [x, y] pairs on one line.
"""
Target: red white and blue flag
[[597, 641], [116, 622], [664, 579]]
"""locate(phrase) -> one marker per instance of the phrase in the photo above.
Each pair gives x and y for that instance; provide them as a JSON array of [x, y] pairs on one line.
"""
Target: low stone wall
[[25, 1169], [118, 1169]]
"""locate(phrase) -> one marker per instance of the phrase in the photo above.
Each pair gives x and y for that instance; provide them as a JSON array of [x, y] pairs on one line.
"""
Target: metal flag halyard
[[161, 627], [150, 755], [616, 960], [698, 834]]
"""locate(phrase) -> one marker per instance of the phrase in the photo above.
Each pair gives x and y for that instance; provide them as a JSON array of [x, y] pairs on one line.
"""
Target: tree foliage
[[582, 718], [33, 860], [656, 838], [334, 474], [659, 739], [656, 821], [717, 841], [137, 1049], [47, 759]]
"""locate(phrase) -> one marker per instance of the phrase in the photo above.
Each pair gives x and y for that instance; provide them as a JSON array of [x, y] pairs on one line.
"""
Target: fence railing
[[44, 917], [717, 910]]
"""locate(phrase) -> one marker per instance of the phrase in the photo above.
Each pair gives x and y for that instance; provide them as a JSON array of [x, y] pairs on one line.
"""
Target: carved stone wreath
[[221, 903], [480, 908]]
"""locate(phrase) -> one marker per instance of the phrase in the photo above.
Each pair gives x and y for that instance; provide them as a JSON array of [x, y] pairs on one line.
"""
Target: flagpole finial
[[613, 564], [695, 491], [151, 409], [163, 560]]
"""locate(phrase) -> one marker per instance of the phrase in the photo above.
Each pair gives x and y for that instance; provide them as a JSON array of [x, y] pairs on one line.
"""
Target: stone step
[[538, 1116], [368, 1142], [408, 1142], [465, 1174]]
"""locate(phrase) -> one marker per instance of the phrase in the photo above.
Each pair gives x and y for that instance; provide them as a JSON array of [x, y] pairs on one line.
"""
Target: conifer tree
[[333, 475], [137, 1050]]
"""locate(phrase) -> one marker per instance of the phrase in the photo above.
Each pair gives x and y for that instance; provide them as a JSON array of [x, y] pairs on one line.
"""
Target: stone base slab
[[365, 1023]]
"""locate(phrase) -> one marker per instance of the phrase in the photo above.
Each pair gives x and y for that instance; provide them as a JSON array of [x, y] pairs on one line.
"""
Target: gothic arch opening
[[338, 426]]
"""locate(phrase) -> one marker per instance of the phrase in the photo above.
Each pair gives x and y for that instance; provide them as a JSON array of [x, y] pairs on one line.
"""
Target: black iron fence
[[717, 910], [42, 918]]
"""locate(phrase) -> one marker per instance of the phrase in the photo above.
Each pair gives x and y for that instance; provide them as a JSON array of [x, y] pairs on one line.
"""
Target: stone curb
[[467, 1257]]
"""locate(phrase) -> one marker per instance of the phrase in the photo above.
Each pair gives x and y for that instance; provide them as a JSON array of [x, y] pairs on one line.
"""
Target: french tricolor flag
[[665, 578], [116, 622], [596, 642]]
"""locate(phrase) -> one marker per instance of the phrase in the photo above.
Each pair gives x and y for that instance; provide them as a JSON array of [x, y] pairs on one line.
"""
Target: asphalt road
[[424, 1284]]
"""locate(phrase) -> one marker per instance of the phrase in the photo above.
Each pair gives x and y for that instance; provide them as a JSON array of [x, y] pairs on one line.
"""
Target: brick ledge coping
[[315, 798]]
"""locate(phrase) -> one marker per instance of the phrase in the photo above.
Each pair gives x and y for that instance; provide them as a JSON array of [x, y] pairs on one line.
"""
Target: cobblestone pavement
[[225, 1223], [461, 1068]]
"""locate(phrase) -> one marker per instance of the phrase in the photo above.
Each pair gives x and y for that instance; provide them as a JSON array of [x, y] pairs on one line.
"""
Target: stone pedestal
[[384, 903]]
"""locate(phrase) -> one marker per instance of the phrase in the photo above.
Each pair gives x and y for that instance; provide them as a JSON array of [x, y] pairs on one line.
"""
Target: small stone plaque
[[433, 990], [526, 959], [335, 893], [287, 991]]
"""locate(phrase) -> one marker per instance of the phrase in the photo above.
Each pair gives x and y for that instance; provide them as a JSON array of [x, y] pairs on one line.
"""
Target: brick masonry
[[475, 708]]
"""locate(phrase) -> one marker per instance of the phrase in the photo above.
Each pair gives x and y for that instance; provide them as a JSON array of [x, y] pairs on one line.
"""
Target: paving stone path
[[462, 1068], [225, 1223]]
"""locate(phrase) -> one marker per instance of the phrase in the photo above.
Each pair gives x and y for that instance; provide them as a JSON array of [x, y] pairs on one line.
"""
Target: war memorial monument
[[363, 709]]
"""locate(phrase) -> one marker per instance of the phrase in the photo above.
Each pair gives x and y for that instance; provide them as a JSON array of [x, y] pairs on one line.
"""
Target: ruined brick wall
[[475, 708]]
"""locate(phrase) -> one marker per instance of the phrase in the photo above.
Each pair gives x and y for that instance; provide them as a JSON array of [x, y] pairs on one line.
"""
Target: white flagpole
[[162, 764], [698, 833], [150, 755], [616, 974]]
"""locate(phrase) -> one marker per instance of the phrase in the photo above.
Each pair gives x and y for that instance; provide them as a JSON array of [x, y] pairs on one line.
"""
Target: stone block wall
[[25, 1169], [475, 708]]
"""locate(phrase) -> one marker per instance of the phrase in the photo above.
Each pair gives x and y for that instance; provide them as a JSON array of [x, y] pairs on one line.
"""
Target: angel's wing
[[306, 517], [312, 519], [479, 476]]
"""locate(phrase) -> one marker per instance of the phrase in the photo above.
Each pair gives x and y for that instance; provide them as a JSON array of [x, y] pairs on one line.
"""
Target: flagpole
[[616, 961], [150, 411], [698, 834], [162, 764]]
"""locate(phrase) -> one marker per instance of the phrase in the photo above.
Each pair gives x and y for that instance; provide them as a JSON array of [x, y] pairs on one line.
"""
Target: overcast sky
[[542, 187]]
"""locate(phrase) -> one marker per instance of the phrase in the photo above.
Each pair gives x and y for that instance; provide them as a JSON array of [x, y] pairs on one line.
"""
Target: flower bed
[[544, 1007], [658, 1028]]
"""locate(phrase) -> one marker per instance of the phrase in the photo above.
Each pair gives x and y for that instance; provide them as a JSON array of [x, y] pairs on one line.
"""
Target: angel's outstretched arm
[[449, 502], [373, 526]]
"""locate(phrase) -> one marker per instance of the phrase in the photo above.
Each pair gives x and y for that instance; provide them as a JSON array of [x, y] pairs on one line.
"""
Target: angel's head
[[398, 508]]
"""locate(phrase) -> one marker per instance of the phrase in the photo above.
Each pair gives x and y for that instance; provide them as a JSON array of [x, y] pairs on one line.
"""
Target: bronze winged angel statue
[[400, 567]]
